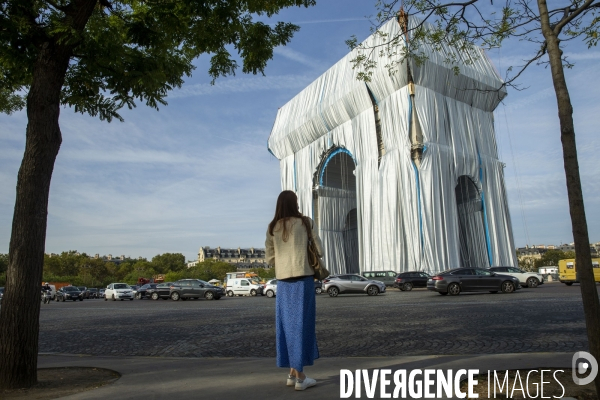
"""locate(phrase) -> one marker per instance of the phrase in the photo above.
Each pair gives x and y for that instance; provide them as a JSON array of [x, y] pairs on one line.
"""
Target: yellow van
[[567, 273]]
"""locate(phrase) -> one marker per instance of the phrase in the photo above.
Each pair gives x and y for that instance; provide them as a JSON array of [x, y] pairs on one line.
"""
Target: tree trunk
[[20, 311], [21, 303], [589, 293]]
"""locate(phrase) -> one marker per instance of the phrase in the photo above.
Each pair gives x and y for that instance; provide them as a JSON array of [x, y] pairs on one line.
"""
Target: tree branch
[[569, 17]]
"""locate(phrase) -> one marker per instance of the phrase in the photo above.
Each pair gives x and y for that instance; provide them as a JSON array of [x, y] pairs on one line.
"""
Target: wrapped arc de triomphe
[[399, 174]]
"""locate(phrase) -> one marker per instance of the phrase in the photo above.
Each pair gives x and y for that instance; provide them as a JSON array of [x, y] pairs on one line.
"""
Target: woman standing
[[295, 315]]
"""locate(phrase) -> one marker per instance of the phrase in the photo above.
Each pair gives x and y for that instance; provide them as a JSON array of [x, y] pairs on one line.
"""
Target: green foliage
[[263, 273], [3, 263], [551, 257], [132, 50], [82, 270], [168, 262]]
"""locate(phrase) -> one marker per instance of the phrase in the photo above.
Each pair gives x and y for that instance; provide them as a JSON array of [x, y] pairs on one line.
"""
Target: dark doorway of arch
[[335, 210], [350, 235], [473, 247]]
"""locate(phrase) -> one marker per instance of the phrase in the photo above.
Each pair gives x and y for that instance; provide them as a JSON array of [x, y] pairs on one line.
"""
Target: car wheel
[[154, 296], [493, 291], [333, 291], [105, 299], [138, 296], [209, 295], [318, 290], [532, 283], [175, 296], [81, 299], [372, 290], [113, 298], [253, 292], [270, 293], [122, 299], [568, 283], [454, 289], [230, 293], [443, 293], [508, 287], [130, 299], [407, 287], [63, 299]]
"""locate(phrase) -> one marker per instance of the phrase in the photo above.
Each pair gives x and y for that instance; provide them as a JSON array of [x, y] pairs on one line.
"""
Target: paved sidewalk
[[157, 378]]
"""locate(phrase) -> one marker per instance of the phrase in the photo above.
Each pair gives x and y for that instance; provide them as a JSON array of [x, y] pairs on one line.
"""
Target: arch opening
[[473, 247], [335, 210]]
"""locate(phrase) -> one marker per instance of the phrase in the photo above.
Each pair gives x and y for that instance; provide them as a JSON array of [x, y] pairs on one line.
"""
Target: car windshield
[[70, 289], [121, 286]]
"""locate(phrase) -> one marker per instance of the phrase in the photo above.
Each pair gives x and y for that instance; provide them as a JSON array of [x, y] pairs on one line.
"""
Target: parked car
[[270, 288], [119, 291], [160, 291], [69, 293], [194, 289], [243, 287], [318, 287], [84, 292], [406, 281], [352, 283], [93, 293], [101, 293], [142, 292], [459, 280], [529, 279], [387, 277]]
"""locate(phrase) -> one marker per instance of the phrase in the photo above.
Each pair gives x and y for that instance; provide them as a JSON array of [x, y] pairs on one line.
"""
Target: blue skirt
[[295, 320]]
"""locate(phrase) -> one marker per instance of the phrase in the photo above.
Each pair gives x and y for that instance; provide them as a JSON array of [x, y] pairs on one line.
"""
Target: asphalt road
[[547, 319]]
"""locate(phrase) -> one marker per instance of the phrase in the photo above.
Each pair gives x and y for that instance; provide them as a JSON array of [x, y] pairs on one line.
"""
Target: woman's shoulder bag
[[314, 258]]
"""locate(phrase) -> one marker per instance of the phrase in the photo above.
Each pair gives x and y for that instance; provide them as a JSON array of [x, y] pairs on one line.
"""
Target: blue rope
[[417, 180], [485, 219], [295, 186], [337, 151]]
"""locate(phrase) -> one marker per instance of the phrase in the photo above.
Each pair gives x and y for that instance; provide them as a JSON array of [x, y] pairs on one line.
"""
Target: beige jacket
[[289, 258]]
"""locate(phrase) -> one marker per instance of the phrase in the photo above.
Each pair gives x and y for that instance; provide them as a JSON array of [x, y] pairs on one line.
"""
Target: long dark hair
[[286, 208]]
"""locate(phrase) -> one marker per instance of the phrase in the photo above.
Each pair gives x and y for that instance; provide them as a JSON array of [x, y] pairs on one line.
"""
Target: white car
[[528, 279], [270, 288], [119, 291]]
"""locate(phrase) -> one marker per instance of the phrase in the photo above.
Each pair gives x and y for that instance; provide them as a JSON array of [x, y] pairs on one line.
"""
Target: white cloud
[[331, 20], [246, 84], [300, 58]]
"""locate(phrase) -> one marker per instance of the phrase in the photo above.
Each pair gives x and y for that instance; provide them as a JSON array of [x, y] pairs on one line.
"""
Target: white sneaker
[[291, 380], [306, 383]]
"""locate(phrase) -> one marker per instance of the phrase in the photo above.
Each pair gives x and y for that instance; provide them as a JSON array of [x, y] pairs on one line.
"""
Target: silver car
[[270, 288], [352, 283]]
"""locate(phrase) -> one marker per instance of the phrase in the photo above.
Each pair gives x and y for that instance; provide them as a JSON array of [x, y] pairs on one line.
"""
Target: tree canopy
[[463, 25], [133, 50]]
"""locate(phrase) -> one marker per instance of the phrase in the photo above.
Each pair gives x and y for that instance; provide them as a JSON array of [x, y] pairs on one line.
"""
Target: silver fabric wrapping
[[403, 217]]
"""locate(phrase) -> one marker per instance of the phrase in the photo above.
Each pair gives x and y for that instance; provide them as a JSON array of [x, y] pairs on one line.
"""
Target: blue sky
[[198, 172]]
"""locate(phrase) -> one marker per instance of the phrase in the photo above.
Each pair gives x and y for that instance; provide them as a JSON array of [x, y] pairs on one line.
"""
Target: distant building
[[528, 254], [115, 259], [242, 258]]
